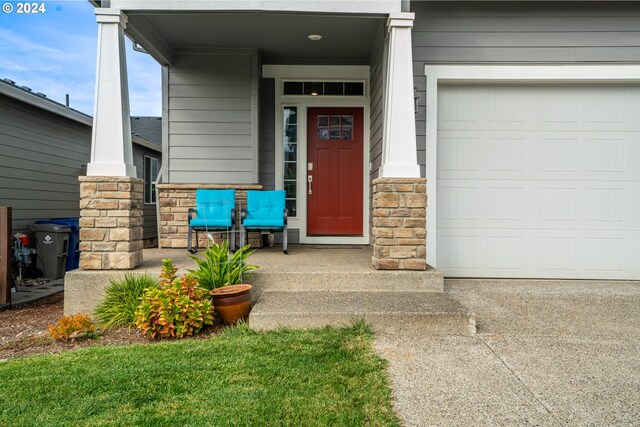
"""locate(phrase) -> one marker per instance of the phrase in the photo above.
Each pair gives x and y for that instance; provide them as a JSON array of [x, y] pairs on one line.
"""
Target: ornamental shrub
[[168, 273], [75, 326], [121, 301], [218, 269], [175, 310]]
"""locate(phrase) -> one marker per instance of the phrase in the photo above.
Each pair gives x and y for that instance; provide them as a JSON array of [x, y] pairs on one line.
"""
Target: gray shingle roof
[[149, 128]]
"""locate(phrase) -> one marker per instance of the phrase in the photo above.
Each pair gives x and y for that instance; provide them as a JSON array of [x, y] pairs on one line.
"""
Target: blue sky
[[55, 53]]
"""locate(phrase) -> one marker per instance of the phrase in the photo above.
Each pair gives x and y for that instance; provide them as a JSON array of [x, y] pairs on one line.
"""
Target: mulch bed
[[24, 331]]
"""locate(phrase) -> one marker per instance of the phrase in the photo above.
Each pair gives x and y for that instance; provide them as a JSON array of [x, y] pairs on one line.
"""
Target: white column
[[111, 150], [399, 155]]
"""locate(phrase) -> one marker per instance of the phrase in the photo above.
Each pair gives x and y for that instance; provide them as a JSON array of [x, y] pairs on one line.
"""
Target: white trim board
[[439, 74], [318, 73]]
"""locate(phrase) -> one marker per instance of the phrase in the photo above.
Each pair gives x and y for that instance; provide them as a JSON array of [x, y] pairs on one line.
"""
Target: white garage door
[[539, 181]]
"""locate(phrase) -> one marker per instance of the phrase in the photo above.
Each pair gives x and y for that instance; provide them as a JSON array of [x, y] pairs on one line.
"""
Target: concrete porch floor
[[312, 286], [312, 267]]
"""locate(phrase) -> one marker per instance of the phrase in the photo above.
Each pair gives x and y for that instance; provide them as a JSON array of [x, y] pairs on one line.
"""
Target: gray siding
[[520, 32], [266, 142], [41, 157], [377, 63], [377, 76], [210, 119], [150, 224]]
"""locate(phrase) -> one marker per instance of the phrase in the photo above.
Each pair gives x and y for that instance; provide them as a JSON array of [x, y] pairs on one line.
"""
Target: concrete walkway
[[546, 353]]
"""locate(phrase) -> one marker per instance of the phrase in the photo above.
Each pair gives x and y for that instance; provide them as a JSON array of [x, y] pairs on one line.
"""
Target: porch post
[[399, 194], [111, 150], [111, 194], [399, 155]]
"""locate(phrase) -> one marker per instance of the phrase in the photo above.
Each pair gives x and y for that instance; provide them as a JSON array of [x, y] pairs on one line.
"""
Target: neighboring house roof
[[149, 128], [40, 100]]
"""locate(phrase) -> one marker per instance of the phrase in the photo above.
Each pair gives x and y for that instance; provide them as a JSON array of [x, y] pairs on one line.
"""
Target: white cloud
[[56, 54]]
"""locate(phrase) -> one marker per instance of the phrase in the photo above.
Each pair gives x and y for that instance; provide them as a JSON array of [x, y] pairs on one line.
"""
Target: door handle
[[309, 181]]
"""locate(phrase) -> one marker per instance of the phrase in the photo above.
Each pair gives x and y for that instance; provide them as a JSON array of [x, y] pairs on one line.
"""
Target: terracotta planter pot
[[232, 302]]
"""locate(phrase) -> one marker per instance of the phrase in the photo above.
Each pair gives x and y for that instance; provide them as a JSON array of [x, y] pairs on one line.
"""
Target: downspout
[[157, 181]]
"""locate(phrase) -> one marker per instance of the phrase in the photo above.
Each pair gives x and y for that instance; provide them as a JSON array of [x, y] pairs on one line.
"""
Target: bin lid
[[71, 222], [50, 228]]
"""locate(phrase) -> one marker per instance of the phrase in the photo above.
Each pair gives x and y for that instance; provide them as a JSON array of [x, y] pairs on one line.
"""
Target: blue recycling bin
[[73, 257]]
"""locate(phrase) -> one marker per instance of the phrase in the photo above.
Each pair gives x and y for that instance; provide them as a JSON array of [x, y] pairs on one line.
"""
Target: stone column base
[[110, 222], [399, 223]]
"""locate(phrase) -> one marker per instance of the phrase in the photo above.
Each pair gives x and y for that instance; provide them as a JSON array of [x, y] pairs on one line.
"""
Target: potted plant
[[223, 276]]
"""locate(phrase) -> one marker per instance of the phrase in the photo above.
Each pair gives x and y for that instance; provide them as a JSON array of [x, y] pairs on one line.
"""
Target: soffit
[[277, 36]]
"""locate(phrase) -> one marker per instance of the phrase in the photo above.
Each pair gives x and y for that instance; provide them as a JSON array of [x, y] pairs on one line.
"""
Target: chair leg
[[243, 232], [285, 235], [232, 238], [189, 235]]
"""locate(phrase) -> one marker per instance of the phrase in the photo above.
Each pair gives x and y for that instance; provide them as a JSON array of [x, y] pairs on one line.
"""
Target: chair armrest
[[286, 214], [243, 214], [190, 212], [233, 216]]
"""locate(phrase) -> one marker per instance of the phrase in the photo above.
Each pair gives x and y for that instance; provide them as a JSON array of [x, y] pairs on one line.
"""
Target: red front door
[[334, 175]]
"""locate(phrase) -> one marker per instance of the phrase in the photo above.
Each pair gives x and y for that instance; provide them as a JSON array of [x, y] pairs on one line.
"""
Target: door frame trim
[[553, 74], [319, 73]]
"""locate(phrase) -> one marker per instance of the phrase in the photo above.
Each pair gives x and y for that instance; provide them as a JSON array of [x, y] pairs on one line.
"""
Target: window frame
[[149, 192]]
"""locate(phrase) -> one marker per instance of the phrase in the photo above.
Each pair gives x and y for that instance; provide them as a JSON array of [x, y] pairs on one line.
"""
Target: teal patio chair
[[215, 211], [265, 212]]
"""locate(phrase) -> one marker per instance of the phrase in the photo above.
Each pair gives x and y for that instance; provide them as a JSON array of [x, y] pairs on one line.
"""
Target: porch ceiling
[[280, 37]]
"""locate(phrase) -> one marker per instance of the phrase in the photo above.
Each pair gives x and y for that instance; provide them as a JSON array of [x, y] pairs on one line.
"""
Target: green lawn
[[241, 378]]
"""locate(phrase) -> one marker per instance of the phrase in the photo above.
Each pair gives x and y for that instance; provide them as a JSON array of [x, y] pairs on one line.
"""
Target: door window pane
[[291, 207], [313, 88], [334, 127], [290, 152], [290, 189], [347, 126], [353, 88], [290, 146], [333, 88], [323, 127], [290, 171], [293, 88]]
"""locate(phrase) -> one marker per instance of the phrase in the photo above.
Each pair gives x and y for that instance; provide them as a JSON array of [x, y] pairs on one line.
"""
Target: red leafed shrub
[[75, 326], [177, 309]]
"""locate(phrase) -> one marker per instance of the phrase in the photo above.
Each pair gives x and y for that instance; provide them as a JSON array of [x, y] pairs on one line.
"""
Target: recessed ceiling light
[[314, 37]]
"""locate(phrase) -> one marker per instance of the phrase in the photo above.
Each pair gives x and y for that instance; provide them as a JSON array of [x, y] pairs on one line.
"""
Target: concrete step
[[374, 280], [426, 313]]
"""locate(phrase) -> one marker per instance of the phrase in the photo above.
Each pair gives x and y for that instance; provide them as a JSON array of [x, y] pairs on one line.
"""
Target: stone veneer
[[175, 201], [399, 223], [110, 222]]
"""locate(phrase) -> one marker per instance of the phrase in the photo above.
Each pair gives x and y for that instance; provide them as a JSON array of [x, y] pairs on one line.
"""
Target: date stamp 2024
[[24, 8]]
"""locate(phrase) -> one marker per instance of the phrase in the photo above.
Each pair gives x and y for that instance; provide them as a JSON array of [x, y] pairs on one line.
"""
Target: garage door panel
[[537, 253], [537, 181], [556, 108], [555, 205], [540, 155]]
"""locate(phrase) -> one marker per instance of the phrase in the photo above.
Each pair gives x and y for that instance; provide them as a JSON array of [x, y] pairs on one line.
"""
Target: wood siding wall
[[377, 79], [41, 157], [520, 33], [377, 62], [210, 119]]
